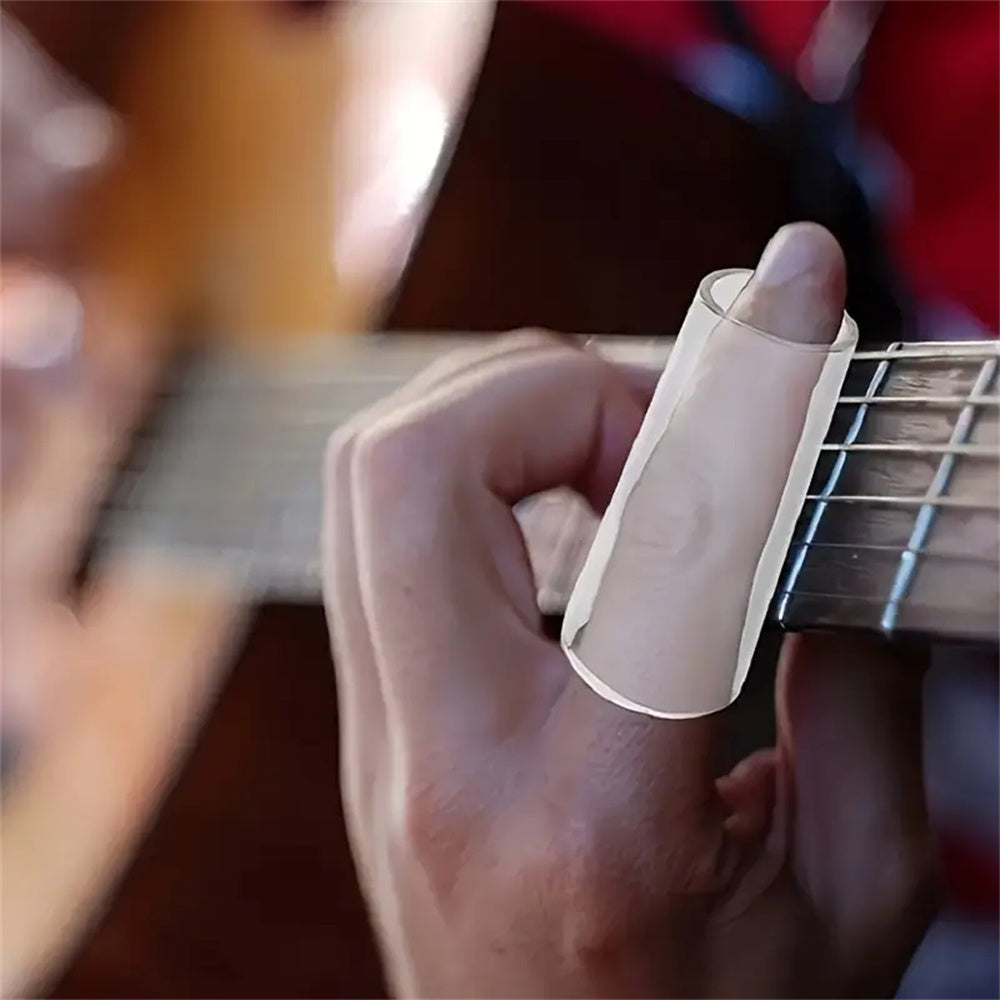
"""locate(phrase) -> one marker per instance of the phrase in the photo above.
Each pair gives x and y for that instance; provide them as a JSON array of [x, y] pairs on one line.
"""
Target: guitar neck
[[899, 532]]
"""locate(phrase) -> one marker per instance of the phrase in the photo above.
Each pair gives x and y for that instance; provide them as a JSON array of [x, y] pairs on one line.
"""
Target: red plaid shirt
[[931, 91]]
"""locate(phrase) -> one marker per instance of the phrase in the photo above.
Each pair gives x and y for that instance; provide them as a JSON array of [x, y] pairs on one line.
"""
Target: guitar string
[[327, 419], [925, 401], [315, 370], [134, 473], [928, 510], [916, 449], [878, 500], [800, 554], [897, 550], [873, 599], [847, 547]]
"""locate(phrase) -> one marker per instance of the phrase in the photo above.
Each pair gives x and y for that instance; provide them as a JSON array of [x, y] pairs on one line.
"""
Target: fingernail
[[797, 291]]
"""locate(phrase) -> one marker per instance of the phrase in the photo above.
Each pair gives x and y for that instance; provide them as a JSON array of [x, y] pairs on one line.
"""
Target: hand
[[516, 834]]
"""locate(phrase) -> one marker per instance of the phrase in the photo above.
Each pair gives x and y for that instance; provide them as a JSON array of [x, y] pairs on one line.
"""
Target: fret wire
[[907, 570], [850, 437]]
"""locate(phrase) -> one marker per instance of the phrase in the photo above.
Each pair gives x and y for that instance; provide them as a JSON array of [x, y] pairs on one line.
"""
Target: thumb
[[849, 738]]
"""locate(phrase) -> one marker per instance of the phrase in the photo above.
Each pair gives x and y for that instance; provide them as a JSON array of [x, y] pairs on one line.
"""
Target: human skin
[[672, 548], [518, 835]]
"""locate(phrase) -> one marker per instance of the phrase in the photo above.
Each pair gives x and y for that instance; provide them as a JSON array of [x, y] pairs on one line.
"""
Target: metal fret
[[850, 437], [928, 511]]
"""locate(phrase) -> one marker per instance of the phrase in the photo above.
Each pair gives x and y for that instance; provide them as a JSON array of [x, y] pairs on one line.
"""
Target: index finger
[[446, 586]]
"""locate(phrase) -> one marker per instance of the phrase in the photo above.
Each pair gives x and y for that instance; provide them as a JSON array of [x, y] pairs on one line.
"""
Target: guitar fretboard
[[899, 532]]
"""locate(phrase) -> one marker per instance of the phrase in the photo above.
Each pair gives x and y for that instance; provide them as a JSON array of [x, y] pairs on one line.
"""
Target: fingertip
[[798, 289], [641, 380], [748, 793]]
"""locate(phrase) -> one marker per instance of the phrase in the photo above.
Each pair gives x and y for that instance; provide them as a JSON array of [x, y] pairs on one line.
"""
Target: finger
[[849, 718], [748, 794], [346, 618], [641, 364], [704, 504], [360, 694], [338, 545], [674, 593], [444, 576], [641, 378], [519, 344], [468, 359], [360, 705]]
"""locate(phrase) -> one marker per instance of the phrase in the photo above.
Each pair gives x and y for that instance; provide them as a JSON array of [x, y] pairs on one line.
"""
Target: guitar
[[270, 173], [180, 619], [900, 532], [218, 506]]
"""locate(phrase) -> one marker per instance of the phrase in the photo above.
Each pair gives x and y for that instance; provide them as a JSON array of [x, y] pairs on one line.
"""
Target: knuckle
[[592, 888], [496, 349], [336, 497], [903, 889], [428, 817], [390, 457], [602, 908], [337, 457], [674, 520], [445, 366], [534, 336], [385, 456], [614, 892], [435, 825]]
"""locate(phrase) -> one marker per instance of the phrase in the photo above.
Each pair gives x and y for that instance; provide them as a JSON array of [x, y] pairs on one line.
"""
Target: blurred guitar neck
[[898, 534]]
